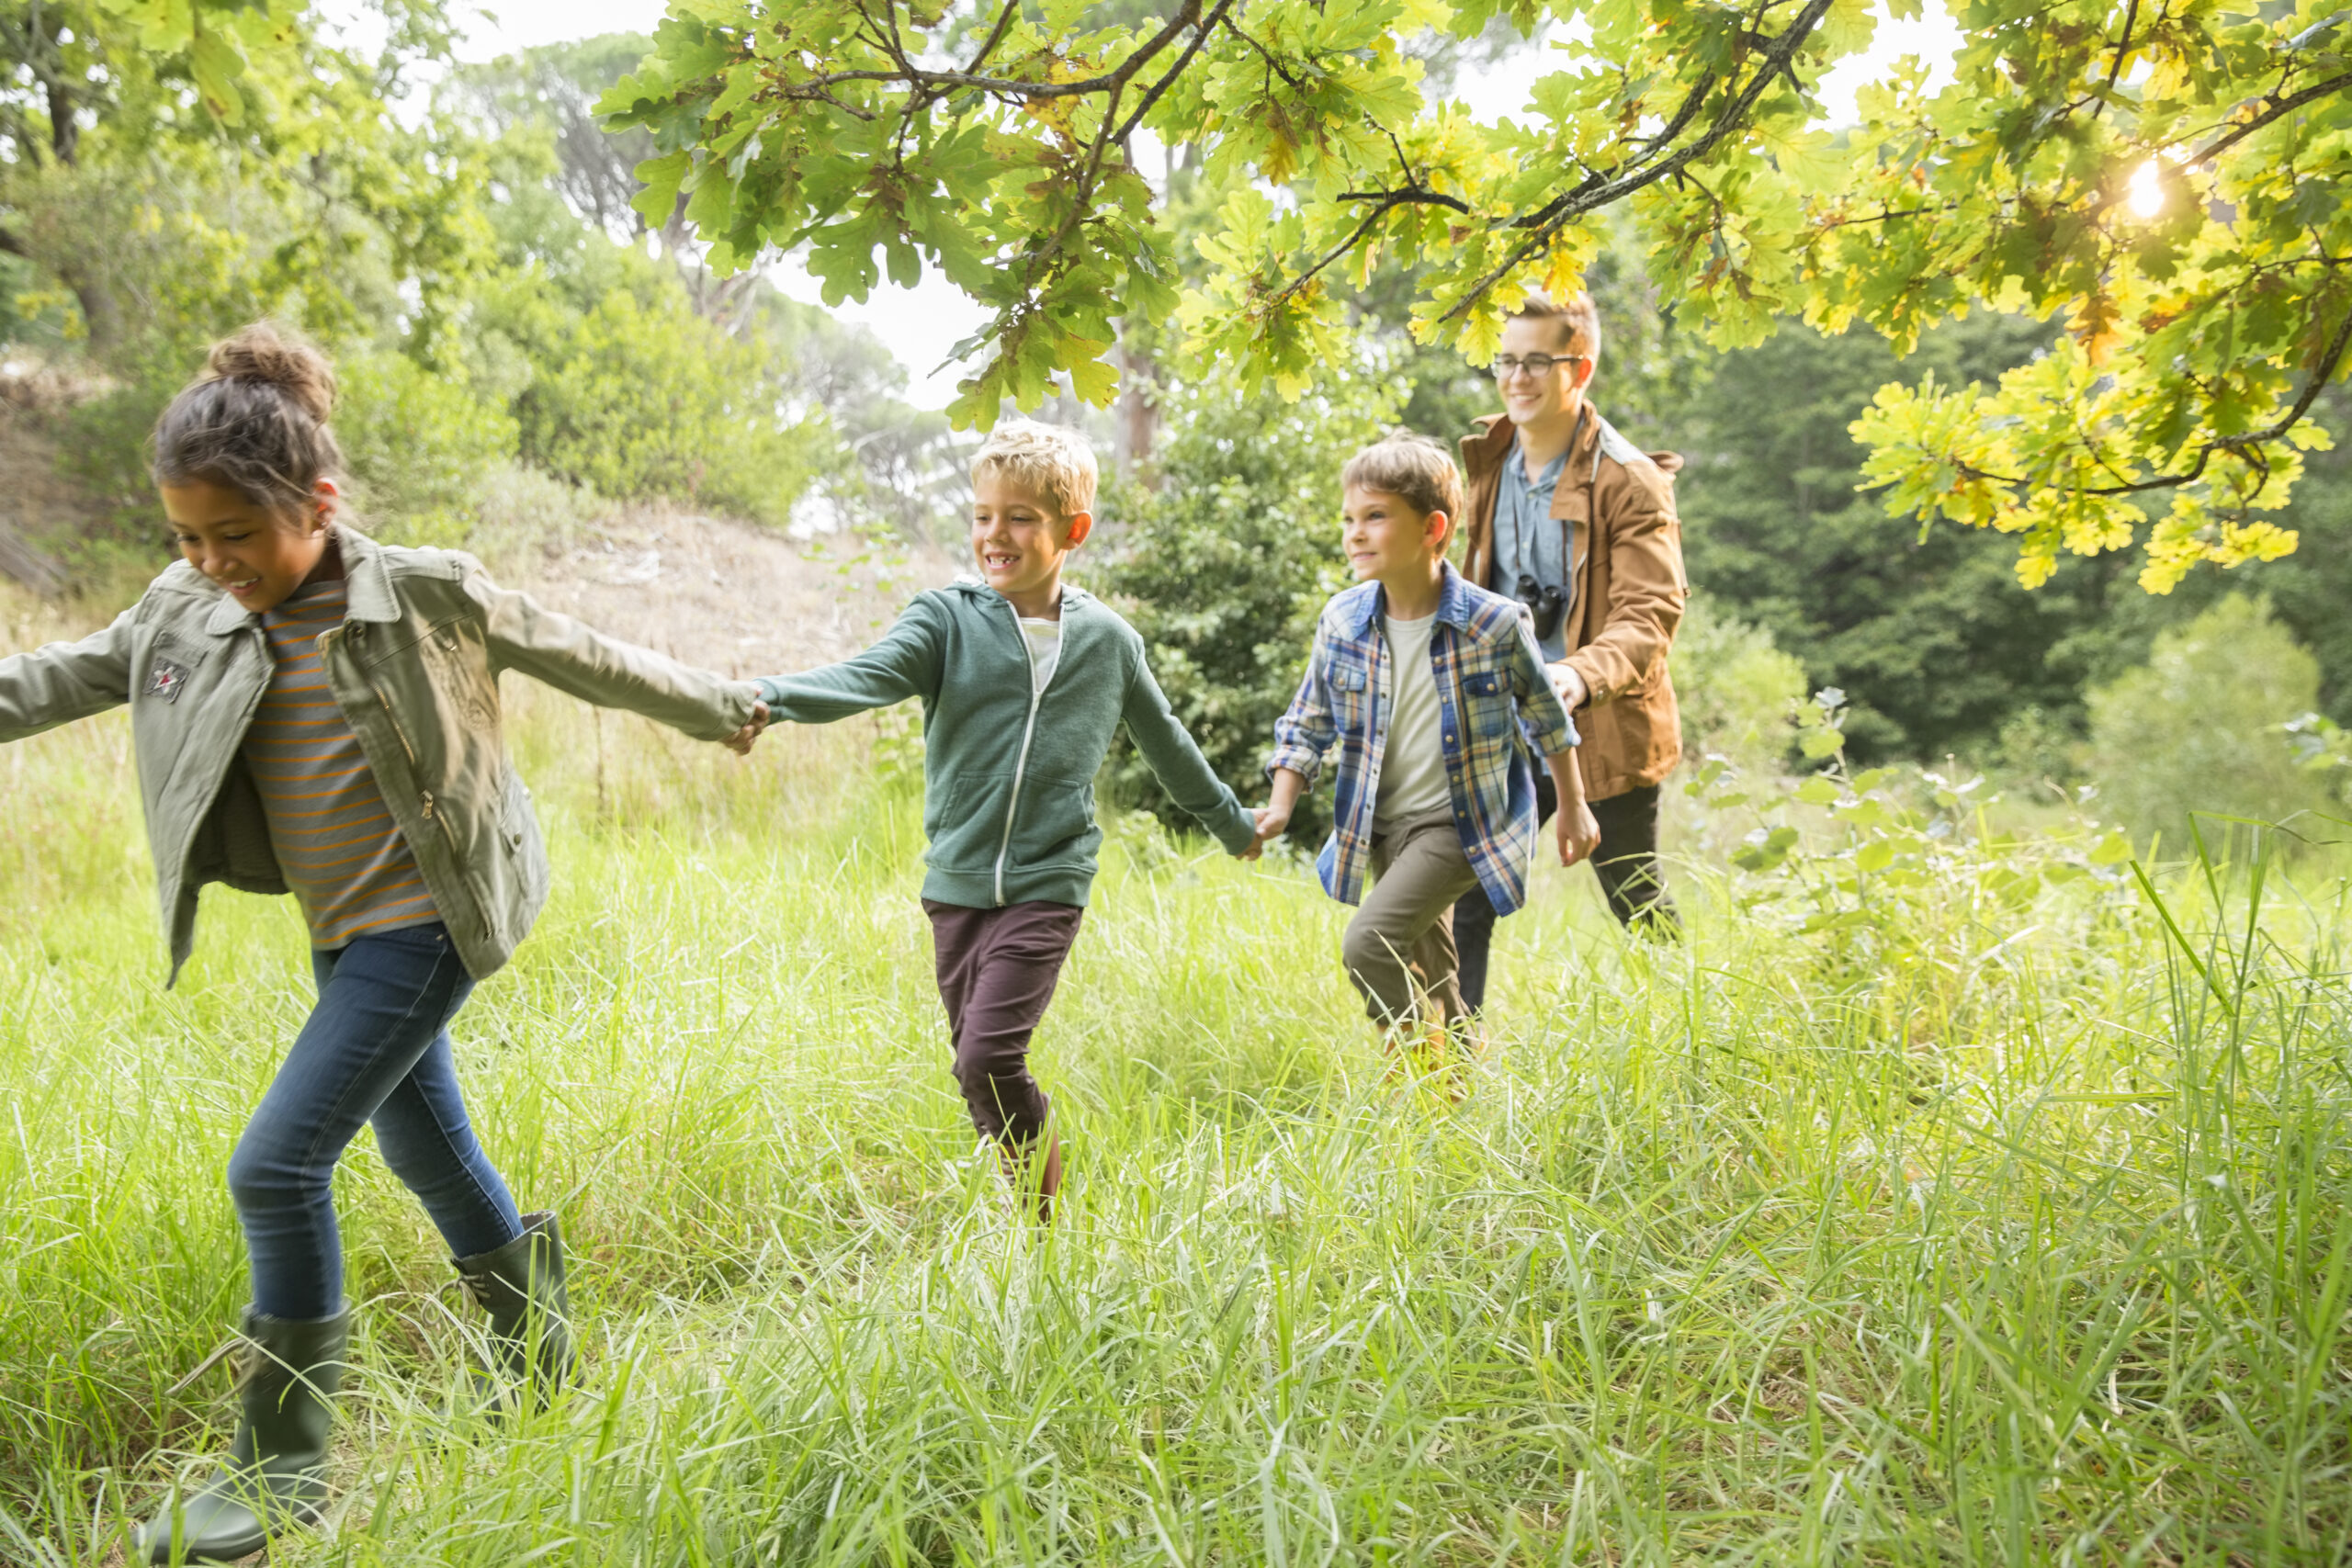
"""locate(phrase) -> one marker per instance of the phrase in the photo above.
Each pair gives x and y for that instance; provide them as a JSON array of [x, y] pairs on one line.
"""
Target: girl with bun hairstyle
[[318, 714]]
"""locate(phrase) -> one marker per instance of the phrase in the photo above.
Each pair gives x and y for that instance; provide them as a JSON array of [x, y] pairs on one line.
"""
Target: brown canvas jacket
[[1626, 546]]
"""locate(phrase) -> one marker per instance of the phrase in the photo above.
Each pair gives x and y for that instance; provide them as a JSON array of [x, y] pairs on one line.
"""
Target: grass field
[[2028, 1248]]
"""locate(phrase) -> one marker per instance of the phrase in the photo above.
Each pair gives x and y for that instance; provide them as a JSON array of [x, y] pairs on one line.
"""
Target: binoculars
[[1545, 602]]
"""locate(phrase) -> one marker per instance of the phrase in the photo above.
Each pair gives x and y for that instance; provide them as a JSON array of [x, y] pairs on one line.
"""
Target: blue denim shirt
[[1529, 539], [1490, 684]]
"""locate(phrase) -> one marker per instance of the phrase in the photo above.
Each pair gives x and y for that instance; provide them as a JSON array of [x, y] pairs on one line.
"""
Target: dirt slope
[[738, 598]]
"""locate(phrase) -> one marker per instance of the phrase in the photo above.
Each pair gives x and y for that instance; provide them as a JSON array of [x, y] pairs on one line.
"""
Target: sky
[[918, 324]]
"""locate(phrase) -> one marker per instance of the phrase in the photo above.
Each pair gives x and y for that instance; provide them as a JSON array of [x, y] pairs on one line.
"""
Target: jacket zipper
[[1020, 763], [424, 798]]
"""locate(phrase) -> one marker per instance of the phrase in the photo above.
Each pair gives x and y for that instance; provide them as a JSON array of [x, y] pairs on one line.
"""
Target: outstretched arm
[[1301, 736], [1179, 766], [574, 658], [907, 662], [66, 681]]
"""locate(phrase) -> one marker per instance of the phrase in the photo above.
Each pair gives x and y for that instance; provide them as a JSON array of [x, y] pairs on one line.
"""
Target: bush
[[421, 445], [1735, 687], [636, 395], [2200, 726], [1224, 564]]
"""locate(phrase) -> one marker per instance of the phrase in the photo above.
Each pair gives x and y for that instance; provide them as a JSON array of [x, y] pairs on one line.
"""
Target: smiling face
[[261, 556], [1387, 540], [1553, 398], [1019, 542]]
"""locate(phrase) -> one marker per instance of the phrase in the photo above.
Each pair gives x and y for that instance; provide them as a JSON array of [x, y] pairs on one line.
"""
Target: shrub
[[421, 445], [2200, 726], [637, 395], [1223, 565], [1735, 687]]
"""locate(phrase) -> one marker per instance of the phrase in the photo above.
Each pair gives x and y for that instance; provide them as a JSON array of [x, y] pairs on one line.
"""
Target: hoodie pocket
[[965, 822], [1056, 824]]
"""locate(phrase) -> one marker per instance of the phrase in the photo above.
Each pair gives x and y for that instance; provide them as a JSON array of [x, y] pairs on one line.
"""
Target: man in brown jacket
[[1570, 518]]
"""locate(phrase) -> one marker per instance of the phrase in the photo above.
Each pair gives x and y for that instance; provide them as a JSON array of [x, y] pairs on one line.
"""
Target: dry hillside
[[734, 596]]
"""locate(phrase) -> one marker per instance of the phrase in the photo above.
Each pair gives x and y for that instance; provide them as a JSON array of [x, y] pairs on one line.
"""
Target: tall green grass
[[2028, 1250]]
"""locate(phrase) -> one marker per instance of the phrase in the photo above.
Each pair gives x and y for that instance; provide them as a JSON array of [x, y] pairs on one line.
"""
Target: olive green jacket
[[414, 668]]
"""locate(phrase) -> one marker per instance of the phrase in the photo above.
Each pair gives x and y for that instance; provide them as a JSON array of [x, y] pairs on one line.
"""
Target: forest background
[[463, 237]]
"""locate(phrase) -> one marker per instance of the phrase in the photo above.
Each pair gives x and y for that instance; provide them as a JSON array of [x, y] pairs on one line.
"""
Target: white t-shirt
[[1043, 639], [1412, 765]]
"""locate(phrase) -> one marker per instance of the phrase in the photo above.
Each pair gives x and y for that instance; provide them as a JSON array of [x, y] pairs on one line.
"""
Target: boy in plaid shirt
[[1424, 681]]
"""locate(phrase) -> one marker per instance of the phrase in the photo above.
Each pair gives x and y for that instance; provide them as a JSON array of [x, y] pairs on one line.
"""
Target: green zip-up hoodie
[[1009, 776]]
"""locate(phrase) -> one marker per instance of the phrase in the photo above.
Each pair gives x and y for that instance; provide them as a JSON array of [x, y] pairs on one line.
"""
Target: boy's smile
[[1019, 543]]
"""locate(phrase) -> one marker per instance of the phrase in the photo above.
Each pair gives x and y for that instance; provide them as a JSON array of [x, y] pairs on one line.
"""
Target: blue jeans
[[376, 1049]]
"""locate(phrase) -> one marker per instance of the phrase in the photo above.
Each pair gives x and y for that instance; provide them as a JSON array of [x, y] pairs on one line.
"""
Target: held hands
[[741, 741], [1568, 683], [1272, 820], [1579, 833]]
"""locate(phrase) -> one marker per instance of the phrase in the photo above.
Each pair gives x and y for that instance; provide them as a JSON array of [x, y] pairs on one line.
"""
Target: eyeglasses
[[1536, 365]]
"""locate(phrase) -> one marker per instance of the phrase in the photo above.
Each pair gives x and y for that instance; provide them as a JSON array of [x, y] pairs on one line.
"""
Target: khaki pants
[[1400, 948]]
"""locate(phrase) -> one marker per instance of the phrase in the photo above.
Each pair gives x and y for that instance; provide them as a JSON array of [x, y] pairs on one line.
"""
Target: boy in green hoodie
[[1024, 681]]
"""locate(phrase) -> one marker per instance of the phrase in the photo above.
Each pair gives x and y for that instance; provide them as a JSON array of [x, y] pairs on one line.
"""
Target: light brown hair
[[1417, 469], [254, 420], [1579, 322]]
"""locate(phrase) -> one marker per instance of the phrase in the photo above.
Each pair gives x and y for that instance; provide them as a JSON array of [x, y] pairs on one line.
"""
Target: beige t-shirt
[[1412, 765]]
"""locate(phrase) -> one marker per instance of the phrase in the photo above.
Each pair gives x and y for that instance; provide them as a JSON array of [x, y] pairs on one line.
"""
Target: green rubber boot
[[275, 1472], [520, 1285]]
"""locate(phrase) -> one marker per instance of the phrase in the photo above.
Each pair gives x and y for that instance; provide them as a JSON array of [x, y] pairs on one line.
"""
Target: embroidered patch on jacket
[[165, 680]]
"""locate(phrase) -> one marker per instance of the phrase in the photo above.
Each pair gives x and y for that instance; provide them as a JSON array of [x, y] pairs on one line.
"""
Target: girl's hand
[[1272, 820], [741, 741], [1579, 833]]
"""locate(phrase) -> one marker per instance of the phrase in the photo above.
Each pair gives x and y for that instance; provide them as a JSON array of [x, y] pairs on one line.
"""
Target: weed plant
[[2022, 1244]]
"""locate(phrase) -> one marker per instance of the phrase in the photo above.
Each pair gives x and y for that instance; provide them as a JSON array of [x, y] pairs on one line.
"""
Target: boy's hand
[[741, 741], [1567, 683], [1271, 821], [1579, 833]]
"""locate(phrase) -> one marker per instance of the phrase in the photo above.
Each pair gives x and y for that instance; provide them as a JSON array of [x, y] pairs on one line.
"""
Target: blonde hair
[[1576, 314], [1051, 461], [1416, 469]]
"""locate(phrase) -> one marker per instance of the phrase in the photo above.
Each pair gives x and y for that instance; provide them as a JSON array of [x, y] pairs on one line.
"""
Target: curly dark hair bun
[[261, 353], [255, 421]]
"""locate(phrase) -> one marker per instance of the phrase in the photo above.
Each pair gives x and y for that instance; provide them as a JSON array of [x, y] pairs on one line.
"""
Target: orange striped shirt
[[336, 843]]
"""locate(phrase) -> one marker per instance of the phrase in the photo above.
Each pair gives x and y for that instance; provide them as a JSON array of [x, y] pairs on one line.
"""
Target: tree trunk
[[101, 312], [1138, 410]]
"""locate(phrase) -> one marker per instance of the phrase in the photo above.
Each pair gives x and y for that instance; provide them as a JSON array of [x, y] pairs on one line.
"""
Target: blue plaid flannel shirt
[[1490, 683]]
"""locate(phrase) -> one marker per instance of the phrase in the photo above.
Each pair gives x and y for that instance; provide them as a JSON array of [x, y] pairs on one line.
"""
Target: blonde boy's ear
[[1079, 524], [1437, 531]]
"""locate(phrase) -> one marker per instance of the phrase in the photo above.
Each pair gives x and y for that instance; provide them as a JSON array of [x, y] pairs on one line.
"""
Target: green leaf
[[2113, 850], [1819, 791], [1818, 743], [217, 64], [660, 177]]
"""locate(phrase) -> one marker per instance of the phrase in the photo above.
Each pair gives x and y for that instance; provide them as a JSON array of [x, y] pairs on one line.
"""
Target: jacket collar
[[975, 587], [368, 587], [1453, 604], [1485, 451]]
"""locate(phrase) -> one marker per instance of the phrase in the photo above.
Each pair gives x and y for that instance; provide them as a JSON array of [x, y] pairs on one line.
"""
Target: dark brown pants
[[997, 969]]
